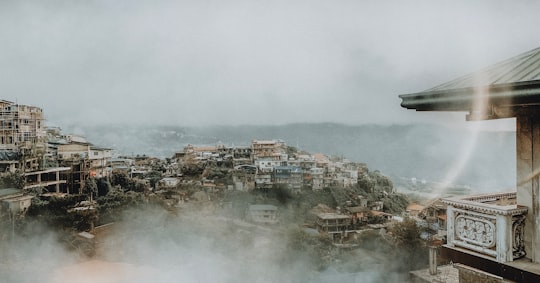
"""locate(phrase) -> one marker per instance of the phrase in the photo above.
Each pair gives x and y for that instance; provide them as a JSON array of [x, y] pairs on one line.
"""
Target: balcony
[[490, 225]]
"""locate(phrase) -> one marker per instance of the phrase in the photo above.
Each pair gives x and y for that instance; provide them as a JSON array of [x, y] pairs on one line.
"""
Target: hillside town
[[66, 182]]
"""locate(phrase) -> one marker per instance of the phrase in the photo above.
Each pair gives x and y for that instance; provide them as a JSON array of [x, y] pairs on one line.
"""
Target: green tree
[[120, 178], [103, 187], [366, 183], [291, 150], [409, 245], [317, 248], [282, 193], [12, 180], [137, 185], [395, 203], [154, 177], [54, 211]]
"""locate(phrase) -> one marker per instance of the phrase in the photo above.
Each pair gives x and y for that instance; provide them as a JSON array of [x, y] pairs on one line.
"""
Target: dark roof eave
[[462, 99]]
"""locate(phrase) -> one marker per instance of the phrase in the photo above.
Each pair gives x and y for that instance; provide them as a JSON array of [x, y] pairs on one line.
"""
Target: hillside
[[425, 152]]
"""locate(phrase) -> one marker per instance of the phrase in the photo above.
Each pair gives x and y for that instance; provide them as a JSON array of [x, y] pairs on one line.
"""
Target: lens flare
[[479, 111]]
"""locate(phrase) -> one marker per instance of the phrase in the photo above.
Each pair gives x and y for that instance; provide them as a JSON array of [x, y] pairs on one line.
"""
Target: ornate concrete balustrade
[[490, 224]]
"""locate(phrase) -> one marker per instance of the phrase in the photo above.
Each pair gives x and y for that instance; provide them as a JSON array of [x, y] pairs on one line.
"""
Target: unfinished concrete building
[[334, 224], [50, 180], [84, 161], [23, 147], [22, 137]]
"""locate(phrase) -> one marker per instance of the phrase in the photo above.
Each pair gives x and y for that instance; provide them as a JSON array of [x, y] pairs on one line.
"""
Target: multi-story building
[[435, 216], [263, 180], [267, 165], [241, 155], [21, 126], [263, 213], [99, 158], [333, 224], [24, 147], [22, 137], [238, 155], [268, 149], [48, 180], [304, 161], [244, 177], [291, 176], [84, 160], [314, 178], [201, 153]]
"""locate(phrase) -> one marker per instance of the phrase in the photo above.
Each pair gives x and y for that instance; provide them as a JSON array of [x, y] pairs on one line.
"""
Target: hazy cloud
[[247, 62]]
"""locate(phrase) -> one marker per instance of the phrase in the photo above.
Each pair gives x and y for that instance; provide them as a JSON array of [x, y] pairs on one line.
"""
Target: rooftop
[[521, 68], [510, 83], [7, 192], [356, 209], [332, 216], [415, 207]]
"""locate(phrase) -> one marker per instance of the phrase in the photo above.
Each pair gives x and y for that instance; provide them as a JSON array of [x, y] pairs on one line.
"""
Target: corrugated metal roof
[[332, 216], [514, 82], [521, 68]]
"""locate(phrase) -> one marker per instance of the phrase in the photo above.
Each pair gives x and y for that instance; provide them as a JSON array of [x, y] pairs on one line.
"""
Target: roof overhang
[[507, 89], [482, 102]]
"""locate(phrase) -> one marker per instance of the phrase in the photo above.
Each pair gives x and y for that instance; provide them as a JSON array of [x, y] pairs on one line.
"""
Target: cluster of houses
[[49, 162], [266, 163], [53, 163]]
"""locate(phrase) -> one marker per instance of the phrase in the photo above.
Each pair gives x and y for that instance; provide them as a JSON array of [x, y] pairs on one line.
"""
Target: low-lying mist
[[156, 245]]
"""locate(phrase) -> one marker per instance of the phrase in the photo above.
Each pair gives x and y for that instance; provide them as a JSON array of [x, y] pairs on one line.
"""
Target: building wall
[[21, 127], [73, 150], [267, 149]]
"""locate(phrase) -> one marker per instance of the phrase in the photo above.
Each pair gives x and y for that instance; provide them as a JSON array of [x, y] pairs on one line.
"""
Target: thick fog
[[153, 245], [244, 62]]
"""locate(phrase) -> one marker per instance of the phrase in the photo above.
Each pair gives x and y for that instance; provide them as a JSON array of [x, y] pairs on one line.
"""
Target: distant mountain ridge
[[420, 151]]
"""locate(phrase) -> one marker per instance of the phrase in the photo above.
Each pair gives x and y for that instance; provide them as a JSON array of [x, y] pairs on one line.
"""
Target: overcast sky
[[248, 62]]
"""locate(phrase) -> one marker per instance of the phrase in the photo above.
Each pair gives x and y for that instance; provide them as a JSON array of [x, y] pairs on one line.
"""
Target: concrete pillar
[[57, 181], [528, 166], [38, 178], [504, 238], [432, 260], [450, 225]]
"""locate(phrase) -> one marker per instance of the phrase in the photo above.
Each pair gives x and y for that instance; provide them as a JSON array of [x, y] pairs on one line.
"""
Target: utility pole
[[12, 224]]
